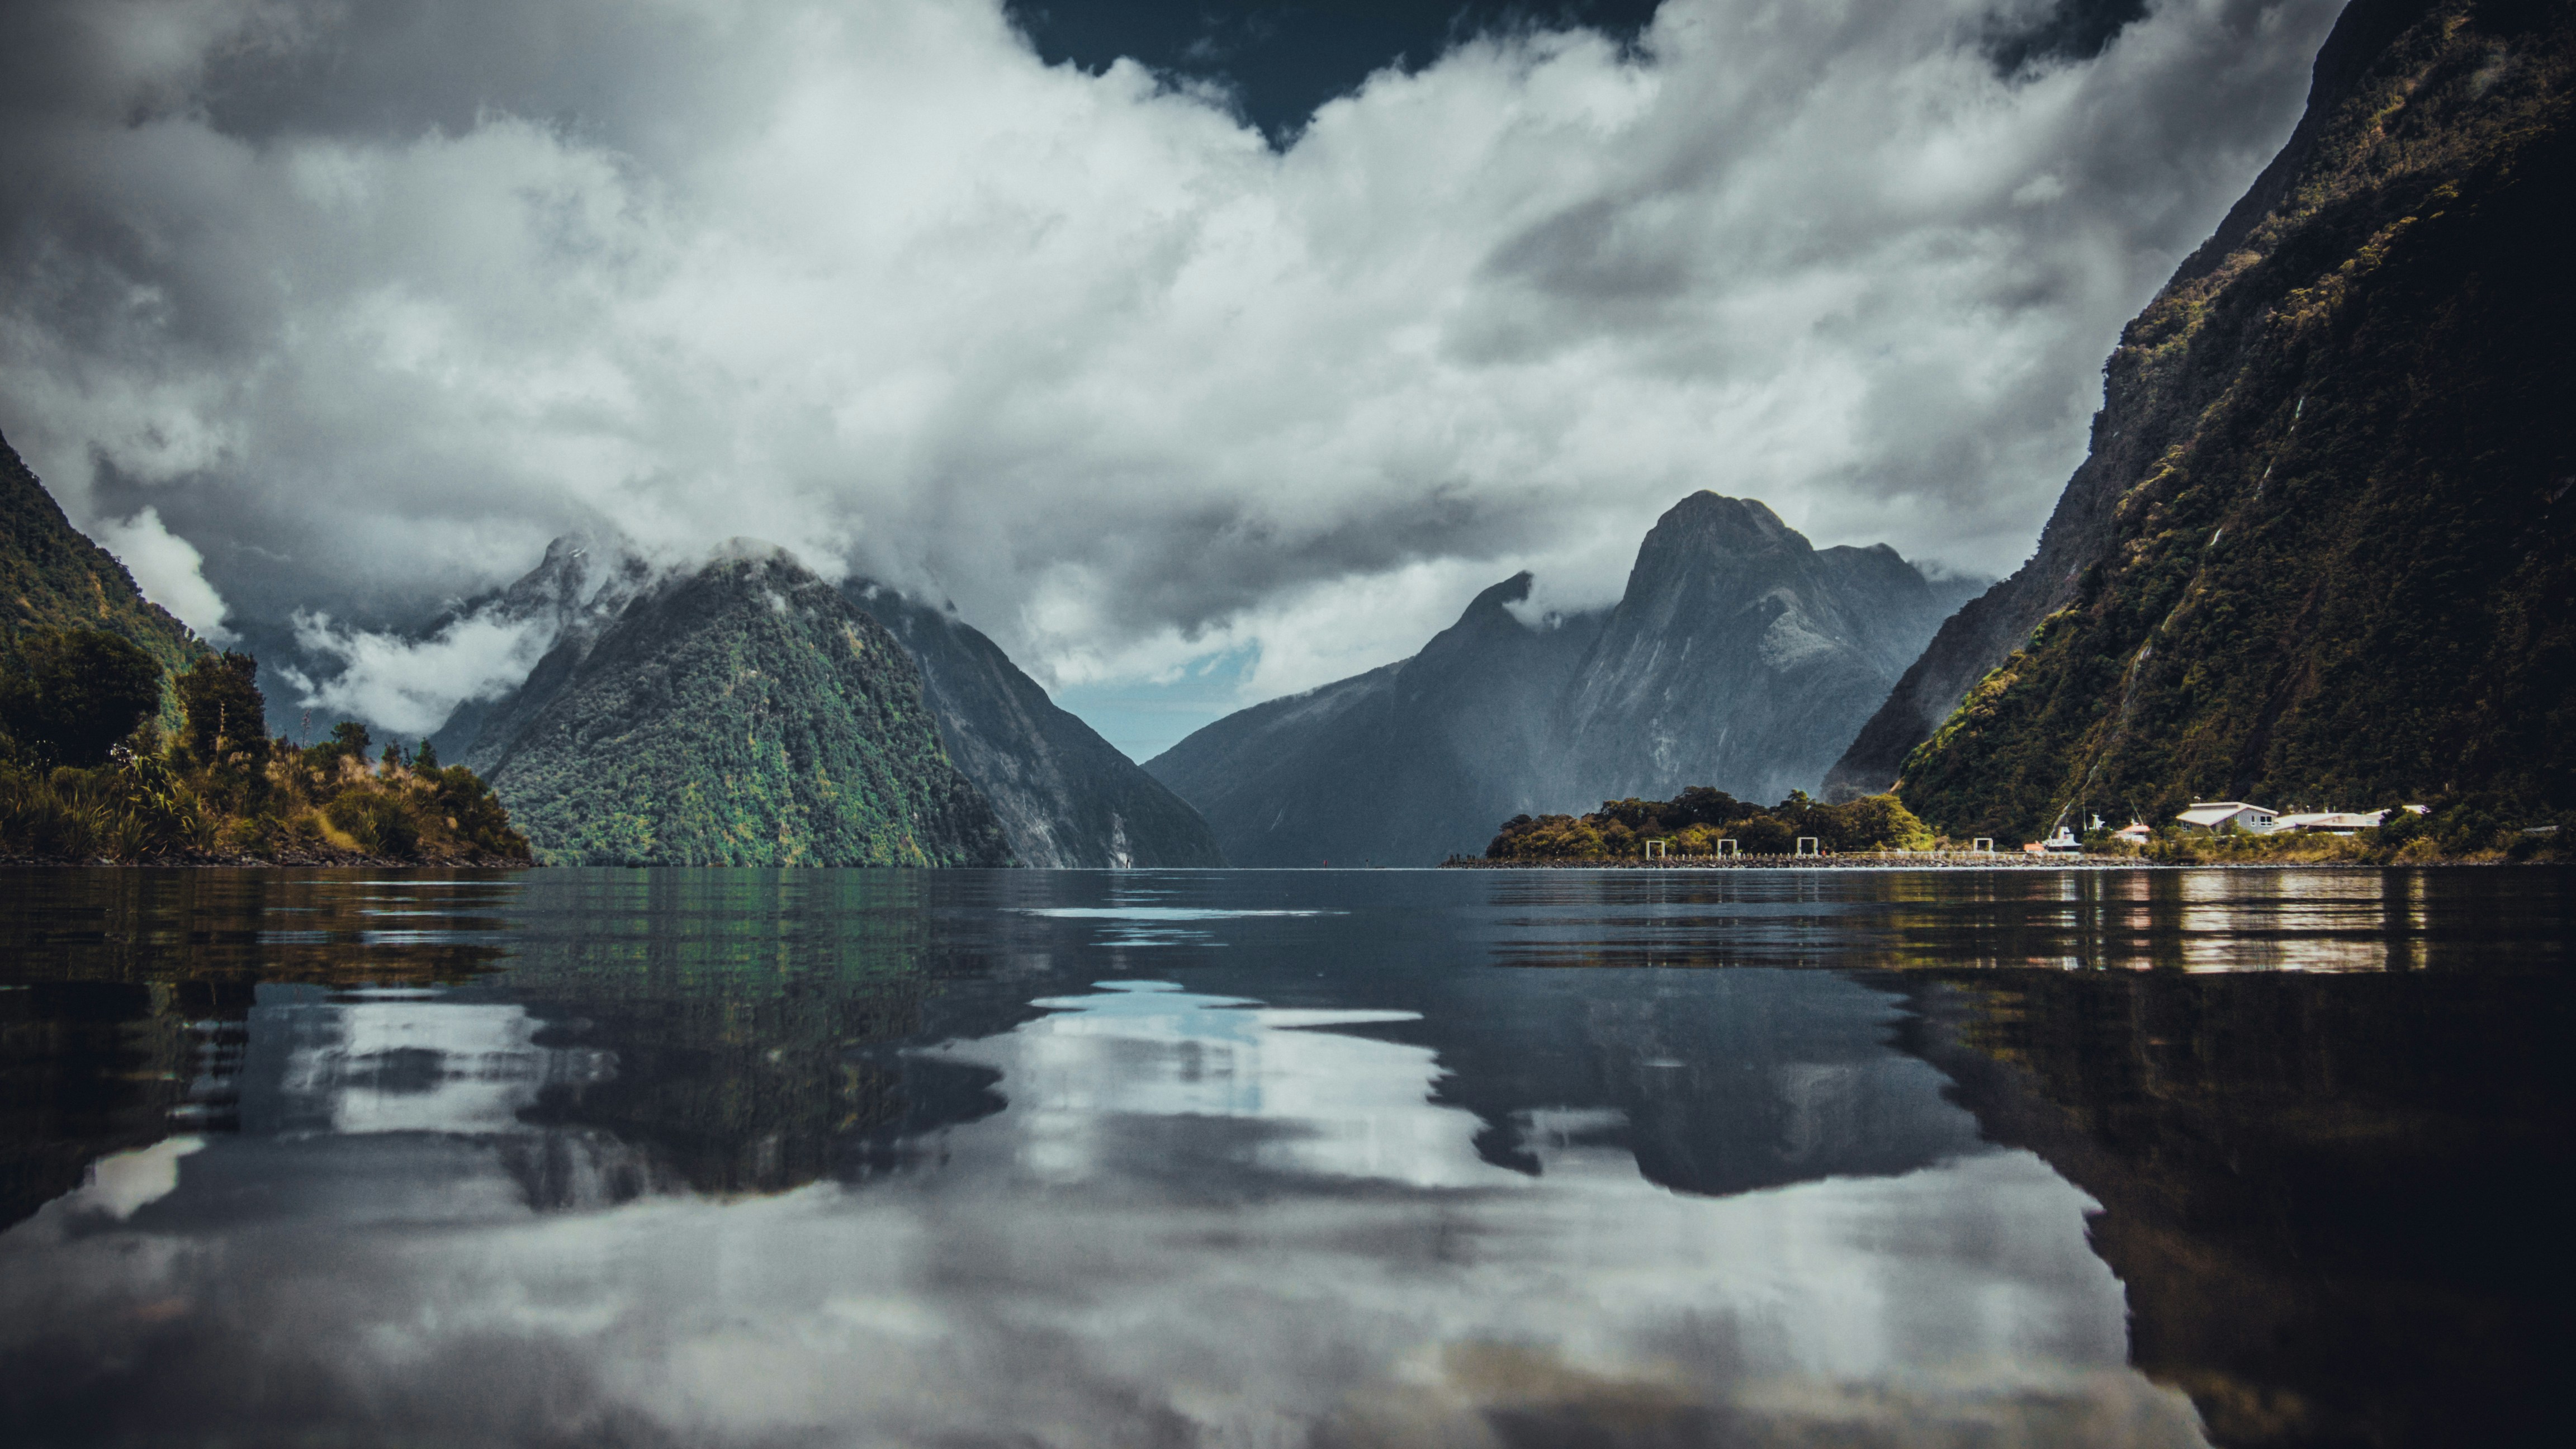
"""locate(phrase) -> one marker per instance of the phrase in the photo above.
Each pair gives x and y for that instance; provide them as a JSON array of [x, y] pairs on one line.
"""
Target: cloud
[[370, 301], [168, 569], [410, 686], [1169, 1160]]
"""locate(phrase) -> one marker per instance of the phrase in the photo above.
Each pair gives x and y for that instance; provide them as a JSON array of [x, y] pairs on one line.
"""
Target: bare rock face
[[1740, 656], [1067, 798]]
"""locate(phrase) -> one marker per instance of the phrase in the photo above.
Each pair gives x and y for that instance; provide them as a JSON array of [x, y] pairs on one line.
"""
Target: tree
[[348, 737], [71, 694], [225, 710]]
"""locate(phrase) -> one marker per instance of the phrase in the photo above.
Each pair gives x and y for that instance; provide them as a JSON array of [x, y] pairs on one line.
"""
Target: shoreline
[[301, 860], [1956, 860]]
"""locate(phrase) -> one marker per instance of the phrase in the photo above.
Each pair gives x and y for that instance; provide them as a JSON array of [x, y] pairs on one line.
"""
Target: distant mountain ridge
[[2320, 550], [1397, 766], [1064, 797], [1739, 656], [741, 714]]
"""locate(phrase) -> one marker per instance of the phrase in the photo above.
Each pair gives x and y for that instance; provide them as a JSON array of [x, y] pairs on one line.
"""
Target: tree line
[[1696, 820], [89, 770]]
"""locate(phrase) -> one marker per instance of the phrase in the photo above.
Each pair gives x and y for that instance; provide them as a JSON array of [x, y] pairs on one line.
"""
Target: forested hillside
[[51, 574], [1067, 799], [2335, 565], [746, 714]]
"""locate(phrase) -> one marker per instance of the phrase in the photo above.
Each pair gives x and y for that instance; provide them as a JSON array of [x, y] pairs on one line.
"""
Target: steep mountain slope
[[53, 575], [569, 599], [2321, 550], [2130, 434], [1066, 797], [1402, 765], [1739, 657], [746, 714]]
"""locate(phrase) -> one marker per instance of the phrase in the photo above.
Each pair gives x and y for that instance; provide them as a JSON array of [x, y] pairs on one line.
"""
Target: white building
[[2216, 816], [2330, 822]]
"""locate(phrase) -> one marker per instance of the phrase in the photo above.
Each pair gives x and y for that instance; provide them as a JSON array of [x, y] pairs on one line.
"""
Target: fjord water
[[1468, 1158]]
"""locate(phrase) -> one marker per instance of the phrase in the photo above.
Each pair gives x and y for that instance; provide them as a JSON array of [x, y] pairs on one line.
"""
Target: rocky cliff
[[744, 714], [2130, 433], [1739, 657], [1066, 797], [2320, 551]]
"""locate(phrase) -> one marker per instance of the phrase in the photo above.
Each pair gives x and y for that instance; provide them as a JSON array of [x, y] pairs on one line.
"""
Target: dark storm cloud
[[1275, 61], [359, 304], [2059, 30]]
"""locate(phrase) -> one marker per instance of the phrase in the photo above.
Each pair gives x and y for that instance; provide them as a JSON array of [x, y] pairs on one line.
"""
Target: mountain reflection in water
[[1333, 1158]]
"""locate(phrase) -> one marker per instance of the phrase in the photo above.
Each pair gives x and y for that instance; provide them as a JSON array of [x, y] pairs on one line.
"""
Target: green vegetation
[[85, 773], [2347, 571], [52, 576], [746, 715], [70, 695], [2470, 829], [1693, 822]]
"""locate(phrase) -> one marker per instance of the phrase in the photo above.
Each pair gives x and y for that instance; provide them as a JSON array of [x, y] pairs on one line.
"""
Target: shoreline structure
[[1947, 860]]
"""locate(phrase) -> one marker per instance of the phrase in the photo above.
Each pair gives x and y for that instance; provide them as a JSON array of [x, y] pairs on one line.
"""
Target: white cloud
[[1081, 353], [167, 568], [411, 686]]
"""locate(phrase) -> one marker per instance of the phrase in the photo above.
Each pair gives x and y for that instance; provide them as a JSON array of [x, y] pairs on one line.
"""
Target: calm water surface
[[1470, 1159]]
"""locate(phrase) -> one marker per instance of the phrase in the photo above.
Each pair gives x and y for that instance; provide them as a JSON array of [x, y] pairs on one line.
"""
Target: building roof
[[2330, 820], [2218, 812]]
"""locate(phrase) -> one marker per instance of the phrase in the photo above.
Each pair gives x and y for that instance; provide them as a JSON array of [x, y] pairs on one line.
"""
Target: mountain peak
[[1707, 522]]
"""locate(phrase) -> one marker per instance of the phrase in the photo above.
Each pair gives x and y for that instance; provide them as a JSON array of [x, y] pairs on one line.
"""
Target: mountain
[[1399, 766], [1740, 657], [570, 598], [52, 575], [744, 714], [2320, 550], [1067, 798], [2129, 437]]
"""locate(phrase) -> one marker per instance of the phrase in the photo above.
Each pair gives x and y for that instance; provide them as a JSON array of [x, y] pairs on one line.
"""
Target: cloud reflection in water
[[1201, 1220]]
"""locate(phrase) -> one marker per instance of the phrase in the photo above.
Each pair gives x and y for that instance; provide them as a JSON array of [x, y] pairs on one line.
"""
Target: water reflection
[[728, 1157]]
